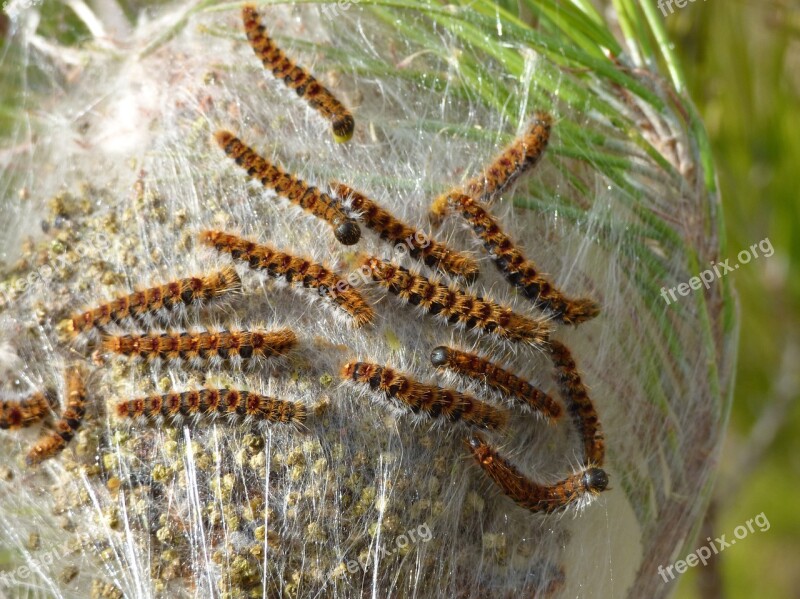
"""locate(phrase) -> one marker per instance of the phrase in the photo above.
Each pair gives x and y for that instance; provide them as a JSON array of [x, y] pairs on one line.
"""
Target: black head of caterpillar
[[420, 246], [296, 77], [297, 191], [578, 488]]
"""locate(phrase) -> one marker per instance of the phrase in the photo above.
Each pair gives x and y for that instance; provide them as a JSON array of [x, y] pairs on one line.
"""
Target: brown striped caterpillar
[[481, 369], [523, 153], [67, 426], [295, 270], [25, 412], [233, 405], [158, 301], [519, 271], [430, 400], [580, 487], [456, 305], [579, 404], [420, 245], [203, 346], [309, 198], [297, 78]]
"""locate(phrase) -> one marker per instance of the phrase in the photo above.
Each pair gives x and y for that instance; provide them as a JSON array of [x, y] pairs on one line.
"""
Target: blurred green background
[[742, 61]]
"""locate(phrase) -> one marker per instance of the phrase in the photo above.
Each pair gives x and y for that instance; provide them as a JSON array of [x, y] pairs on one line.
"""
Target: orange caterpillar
[[236, 406], [295, 270], [23, 413], [519, 271], [71, 419], [159, 299], [481, 369], [579, 404], [434, 401], [581, 486], [297, 78], [422, 246], [235, 346], [309, 198], [457, 306], [521, 155]]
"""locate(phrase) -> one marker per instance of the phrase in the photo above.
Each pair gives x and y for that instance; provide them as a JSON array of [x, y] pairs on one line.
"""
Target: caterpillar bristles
[[309, 198], [522, 155], [199, 347], [479, 368], [234, 406], [68, 424], [296, 77], [457, 306], [430, 400], [579, 404], [24, 412], [578, 488], [294, 270], [419, 245], [519, 271], [157, 302]]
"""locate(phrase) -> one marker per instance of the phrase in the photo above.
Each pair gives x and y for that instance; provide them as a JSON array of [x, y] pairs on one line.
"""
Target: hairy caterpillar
[[297, 78], [23, 413], [235, 346], [433, 401], [422, 246], [295, 270], [235, 405], [523, 153], [519, 271], [481, 369], [67, 426], [579, 405], [526, 493], [309, 198], [181, 292], [456, 305]]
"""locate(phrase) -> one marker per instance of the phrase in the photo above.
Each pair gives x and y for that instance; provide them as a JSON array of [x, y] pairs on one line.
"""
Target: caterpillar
[[234, 346], [309, 198], [581, 486], [297, 78], [67, 426], [159, 299], [23, 413], [422, 247], [237, 406], [295, 270], [433, 401], [579, 404], [479, 368], [456, 305], [523, 153], [519, 271]]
